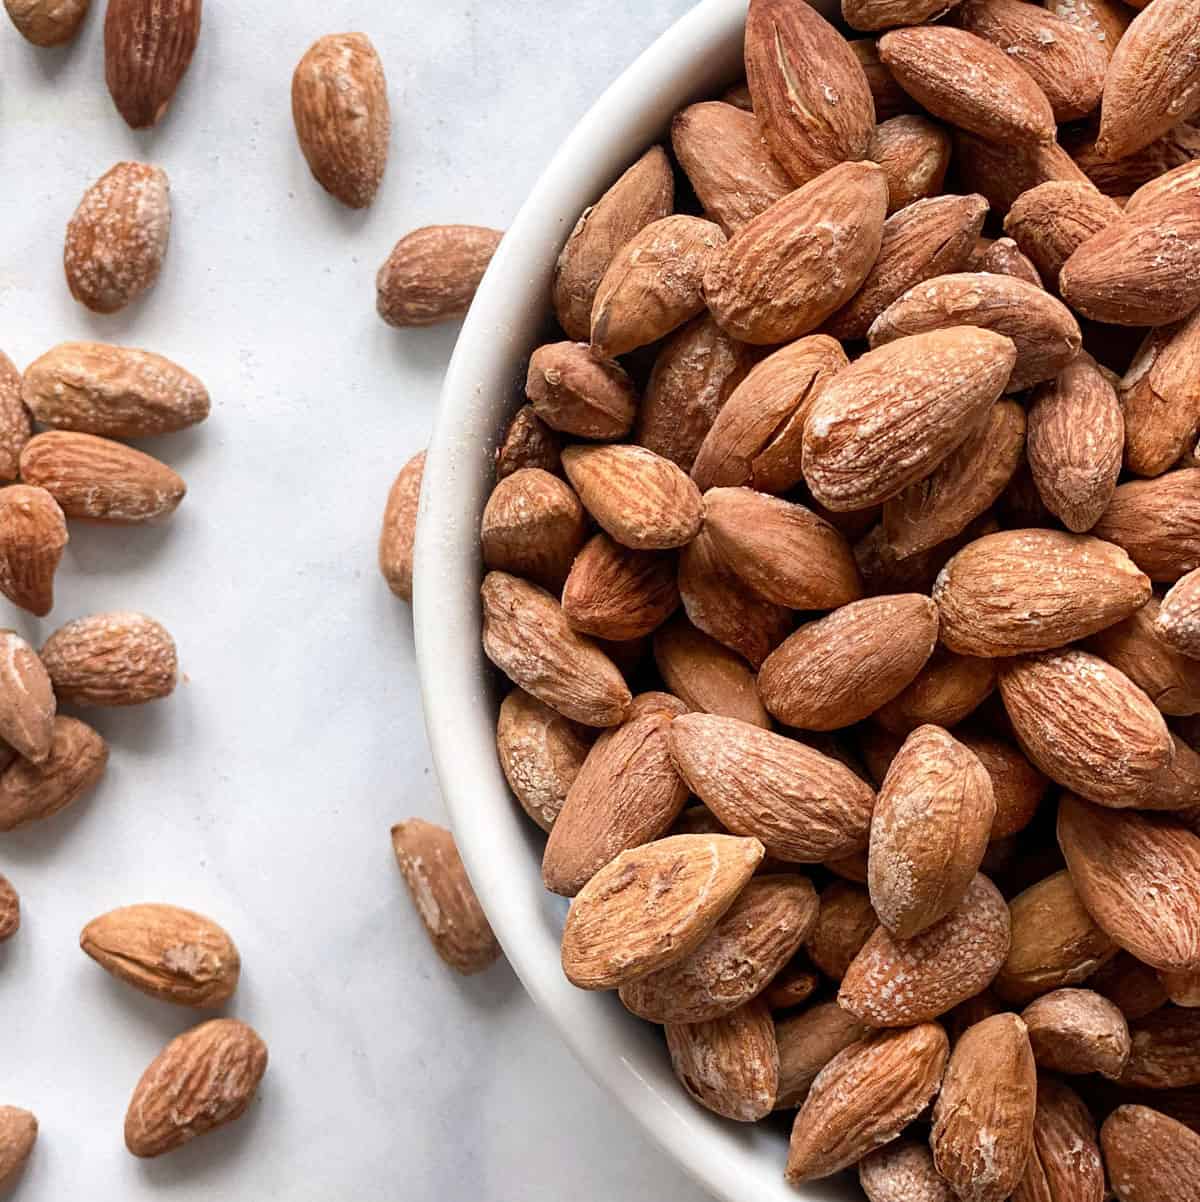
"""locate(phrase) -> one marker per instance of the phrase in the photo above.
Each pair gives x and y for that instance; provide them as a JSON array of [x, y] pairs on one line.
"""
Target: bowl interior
[[700, 55]]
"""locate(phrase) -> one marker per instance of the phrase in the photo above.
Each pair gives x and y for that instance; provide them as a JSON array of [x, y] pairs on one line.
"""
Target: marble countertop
[[261, 794]]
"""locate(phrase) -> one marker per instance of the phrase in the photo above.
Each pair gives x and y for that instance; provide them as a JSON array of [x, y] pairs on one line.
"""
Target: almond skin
[[893, 415], [708, 677], [528, 442], [33, 533], [1065, 1164], [1149, 1155], [400, 528], [1158, 523], [117, 239], [1135, 873], [433, 273], [111, 659], [813, 117], [47, 22], [1178, 622], [902, 1171], [100, 480], [1138, 648], [1105, 21], [169, 953], [807, 1043], [1078, 1031], [1057, 588], [645, 193], [148, 47], [201, 1080], [575, 393], [949, 688], [968, 82], [27, 702], [865, 1097], [652, 906], [804, 806], [30, 792], [614, 593], [1052, 221], [840, 669], [18, 1133], [15, 425], [914, 153], [773, 281]]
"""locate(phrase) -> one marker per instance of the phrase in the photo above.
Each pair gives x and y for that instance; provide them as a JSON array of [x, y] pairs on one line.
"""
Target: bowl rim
[[699, 53]]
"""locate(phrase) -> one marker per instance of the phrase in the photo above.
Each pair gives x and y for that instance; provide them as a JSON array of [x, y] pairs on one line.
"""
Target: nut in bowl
[[868, 587]]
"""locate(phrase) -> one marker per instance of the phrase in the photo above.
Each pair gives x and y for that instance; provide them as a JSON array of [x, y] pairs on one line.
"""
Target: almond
[[984, 1115], [1137, 648], [18, 1133], [1065, 1164], [112, 659], [33, 533], [844, 924], [1154, 78], [526, 635], [614, 593], [784, 273], [169, 953], [642, 500], [652, 906], [15, 425], [1149, 1155], [1178, 622], [47, 22], [1120, 177], [1183, 988], [343, 122], [840, 669], [113, 391], [1055, 942], [894, 982], [645, 193], [902, 1171], [1133, 987], [1075, 442], [400, 528], [1136, 874], [27, 703], [433, 273], [810, 93], [30, 792], [754, 939], [725, 157], [1158, 523], [441, 891], [10, 915], [1077, 1031], [886, 14], [804, 806], [1163, 1053], [807, 1043], [1177, 786], [914, 153], [528, 442], [1046, 335], [948, 689], [1017, 785], [1002, 171], [100, 480], [1052, 221], [201, 1080], [576, 393], [1105, 21], [889, 97], [892, 416], [730, 1065], [1180, 183], [930, 829], [883, 571], [968, 82], [792, 986], [706, 676], [533, 526], [864, 1097], [148, 47]]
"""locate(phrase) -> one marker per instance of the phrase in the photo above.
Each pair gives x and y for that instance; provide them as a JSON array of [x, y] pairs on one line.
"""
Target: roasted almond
[[889, 97], [1163, 1053], [1183, 988], [886, 14], [533, 525], [574, 392], [845, 922], [1005, 257], [1178, 622], [27, 702], [114, 659], [914, 153], [1138, 648], [47, 22], [1002, 171], [1158, 523], [1065, 1164], [948, 689], [902, 1171], [30, 792], [1052, 221], [1120, 177], [400, 528], [433, 273], [528, 442], [33, 533], [1149, 1155], [1133, 987], [707, 676], [1077, 1031], [807, 1043], [792, 986], [15, 425], [615, 593], [148, 47], [1105, 21], [10, 919], [1017, 785], [18, 1133]]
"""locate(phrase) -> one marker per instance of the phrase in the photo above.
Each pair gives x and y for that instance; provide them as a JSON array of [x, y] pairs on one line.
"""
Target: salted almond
[[652, 906], [845, 922], [645, 193], [1178, 622], [914, 153], [433, 273], [807, 1043], [889, 97], [755, 938], [1086, 725], [883, 571], [841, 668], [1180, 183], [893, 415], [1046, 335], [27, 702], [148, 47], [983, 1118], [627, 793], [902, 1171], [100, 480], [47, 22], [864, 1097], [1065, 62], [730, 1065], [167, 952], [428, 859], [1002, 171], [1055, 942], [653, 284], [757, 437], [541, 753], [116, 659], [968, 82], [1077, 1031], [961, 488], [1149, 1155], [528, 442], [783, 551], [400, 528], [1052, 221], [533, 526], [642, 500], [1163, 1053], [722, 151], [1134, 988], [708, 677], [30, 792], [1032, 590], [896, 983], [1065, 1164], [804, 806], [615, 593], [1135, 873], [1158, 523], [871, 15], [772, 283], [1153, 80], [1005, 257], [16, 429], [574, 392], [33, 533], [1121, 177], [1177, 785], [18, 1133], [949, 688], [1018, 787], [930, 828], [808, 88], [1104, 21]]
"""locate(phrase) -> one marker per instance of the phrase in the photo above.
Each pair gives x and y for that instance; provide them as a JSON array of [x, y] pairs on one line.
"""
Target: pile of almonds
[[846, 561]]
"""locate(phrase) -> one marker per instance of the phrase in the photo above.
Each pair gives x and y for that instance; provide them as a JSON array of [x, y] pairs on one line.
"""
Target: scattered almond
[[948, 689], [10, 916], [33, 533], [30, 792], [47, 22], [148, 47], [111, 659], [433, 273], [400, 528], [18, 1133]]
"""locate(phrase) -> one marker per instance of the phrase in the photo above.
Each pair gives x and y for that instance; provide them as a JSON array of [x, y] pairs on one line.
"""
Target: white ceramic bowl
[[700, 55]]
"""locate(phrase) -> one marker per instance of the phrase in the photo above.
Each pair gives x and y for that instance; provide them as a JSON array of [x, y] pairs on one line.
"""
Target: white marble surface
[[262, 792]]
